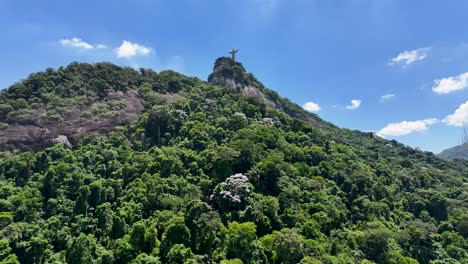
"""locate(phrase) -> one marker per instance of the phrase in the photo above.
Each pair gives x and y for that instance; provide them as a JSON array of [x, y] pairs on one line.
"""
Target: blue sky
[[340, 57]]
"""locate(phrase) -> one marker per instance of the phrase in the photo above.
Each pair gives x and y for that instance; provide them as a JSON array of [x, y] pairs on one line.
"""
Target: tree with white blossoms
[[233, 193]]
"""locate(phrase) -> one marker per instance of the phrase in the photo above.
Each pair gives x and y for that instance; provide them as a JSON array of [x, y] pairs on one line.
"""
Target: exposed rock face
[[306, 118], [62, 139], [231, 74], [255, 92], [227, 73], [37, 131]]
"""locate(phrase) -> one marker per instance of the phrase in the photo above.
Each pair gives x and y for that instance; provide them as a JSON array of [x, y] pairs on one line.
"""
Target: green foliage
[[208, 175], [240, 241], [175, 233], [288, 246], [179, 254], [377, 244], [82, 250], [231, 261], [266, 174], [204, 224]]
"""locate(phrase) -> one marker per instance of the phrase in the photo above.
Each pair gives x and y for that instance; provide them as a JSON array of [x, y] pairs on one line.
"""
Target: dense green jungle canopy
[[208, 173]]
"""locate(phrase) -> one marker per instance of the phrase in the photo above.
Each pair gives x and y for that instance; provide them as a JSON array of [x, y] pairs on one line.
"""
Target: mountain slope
[[85, 98], [164, 168], [457, 152]]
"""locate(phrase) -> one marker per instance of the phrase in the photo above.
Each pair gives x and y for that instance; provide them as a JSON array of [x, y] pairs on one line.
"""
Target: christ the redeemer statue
[[233, 53]]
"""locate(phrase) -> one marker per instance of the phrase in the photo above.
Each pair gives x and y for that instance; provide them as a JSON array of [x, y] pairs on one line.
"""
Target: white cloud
[[409, 56], [451, 84], [406, 127], [355, 103], [386, 97], [311, 107], [129, 49], [101, 46], [76, 43], [459, 117]]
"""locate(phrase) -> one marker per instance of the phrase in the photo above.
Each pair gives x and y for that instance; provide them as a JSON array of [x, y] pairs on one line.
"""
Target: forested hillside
[[145, 167]]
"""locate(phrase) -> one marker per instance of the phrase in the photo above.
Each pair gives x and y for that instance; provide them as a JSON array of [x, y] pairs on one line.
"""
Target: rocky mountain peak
[[231, 74]]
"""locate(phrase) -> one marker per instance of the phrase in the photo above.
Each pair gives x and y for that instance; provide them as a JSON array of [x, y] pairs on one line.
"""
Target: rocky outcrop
[[36, 131], [232, 75], [251, 90], [227, 73], [62, 139]]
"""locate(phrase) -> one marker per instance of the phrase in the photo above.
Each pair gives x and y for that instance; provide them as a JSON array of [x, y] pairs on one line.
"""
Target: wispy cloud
[[451, 84], [459, 117], [386, 97], [407, 57], [406, 127], [129, 50], [76, 43], [80, 44], [126, 50], [311, 107], [355, 104]]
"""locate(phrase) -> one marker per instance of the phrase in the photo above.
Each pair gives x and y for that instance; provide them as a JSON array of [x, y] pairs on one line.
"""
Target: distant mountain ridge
[[457, 152]]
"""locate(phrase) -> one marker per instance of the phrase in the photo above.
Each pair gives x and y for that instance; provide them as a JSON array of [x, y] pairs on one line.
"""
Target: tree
[[5, 219], [118, 228], [144, 258], [82, 250], [151, 240], [49, 188], [231, 261], [416, 240], [175, 233], [265, 175], [137, 236], [96, 194], [158, 122], [105, 218], [376, 244], [6, 255], [26, 203], [123, 250], [179, 254], [204, 224], [232, 194], [462, 226], [223, 162], [240, 241], [4, 110], [289, 246], [264, 213]]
